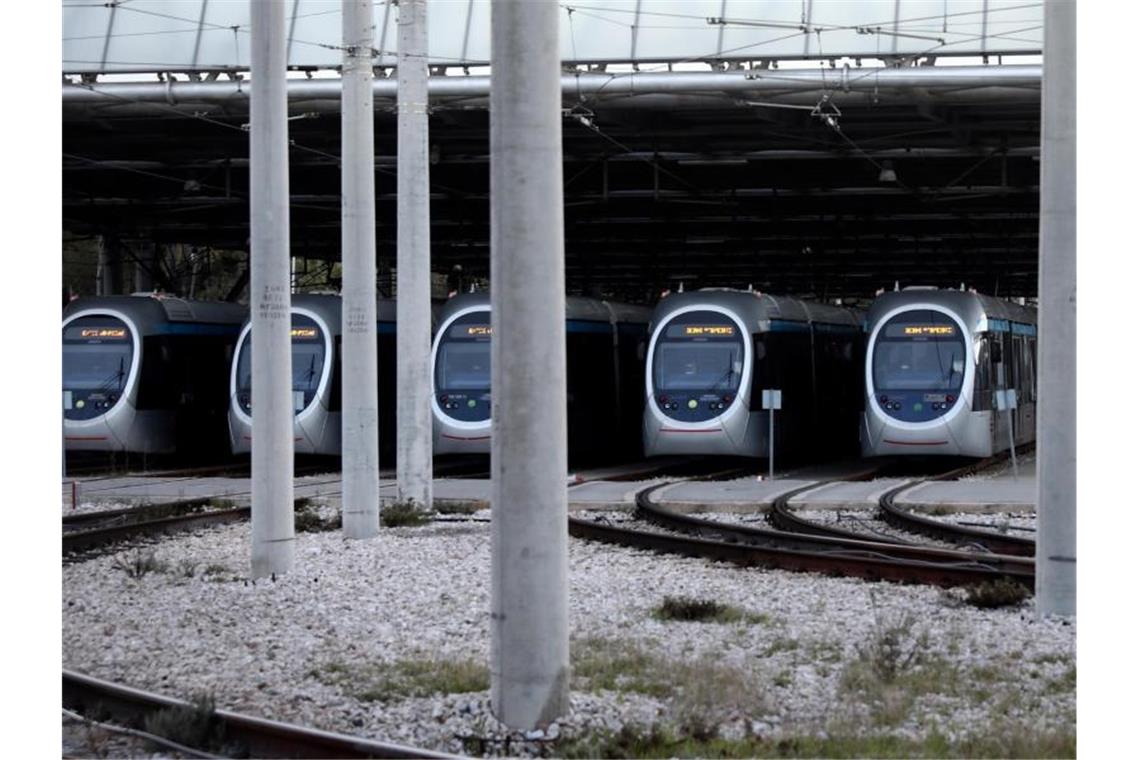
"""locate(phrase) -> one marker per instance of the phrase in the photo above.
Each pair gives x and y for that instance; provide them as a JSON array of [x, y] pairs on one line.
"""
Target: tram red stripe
[[916, 443], [463, 438]]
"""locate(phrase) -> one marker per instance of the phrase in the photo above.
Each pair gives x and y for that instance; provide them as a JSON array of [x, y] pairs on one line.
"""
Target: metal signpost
[[1007, 402], [772, 400]]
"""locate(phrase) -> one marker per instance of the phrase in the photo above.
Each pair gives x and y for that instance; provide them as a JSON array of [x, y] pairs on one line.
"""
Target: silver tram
[[605, 351], [934, 364], [713, 352], [146, 374], [315, 336]]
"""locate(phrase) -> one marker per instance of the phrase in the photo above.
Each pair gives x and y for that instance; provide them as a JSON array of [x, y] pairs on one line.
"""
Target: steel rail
[[832, 546], [951, 532], [945, 531], [132, 515], [871, 562], [257, 737], [96, 538], [783, 517]]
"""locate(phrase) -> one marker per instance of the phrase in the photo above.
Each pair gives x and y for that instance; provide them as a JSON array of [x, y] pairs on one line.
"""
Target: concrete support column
[[413, 261], [1057, 319], [272, 444], [530, 649], [360, 441], [108, 276], [144, 268]]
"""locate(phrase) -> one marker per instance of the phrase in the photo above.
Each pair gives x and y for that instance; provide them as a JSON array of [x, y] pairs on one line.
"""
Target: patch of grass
[[894, 646], [618, 665], [307, 519], [186, 568], [457, 507], [1002, 592], [1065, 683], [140, 564], [388, 681], [700, 694], [894, 667], [781, 644], [404, 513], [195, 725], [665, 741], [704, 610]]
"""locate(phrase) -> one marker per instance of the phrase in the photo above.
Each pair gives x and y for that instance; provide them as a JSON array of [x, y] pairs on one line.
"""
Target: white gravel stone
[[423, 594]]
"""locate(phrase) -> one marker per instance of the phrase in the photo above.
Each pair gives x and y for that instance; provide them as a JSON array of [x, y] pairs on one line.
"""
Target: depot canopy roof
[[198, 35]]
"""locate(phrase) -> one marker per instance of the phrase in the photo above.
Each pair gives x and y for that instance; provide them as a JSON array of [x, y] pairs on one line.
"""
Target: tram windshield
[[919, 350], [463, 360], [708, 367], [464, 366], [308, 363], [97, 355], [699, 351]]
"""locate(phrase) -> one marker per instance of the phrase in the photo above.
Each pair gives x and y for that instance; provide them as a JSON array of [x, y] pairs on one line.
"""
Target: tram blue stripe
[[585, 326], [192, 328]]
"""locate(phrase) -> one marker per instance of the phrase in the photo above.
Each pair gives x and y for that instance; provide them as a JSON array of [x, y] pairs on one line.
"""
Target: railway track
[[783, 517], [804, 545], [856, 557], [234, 734]]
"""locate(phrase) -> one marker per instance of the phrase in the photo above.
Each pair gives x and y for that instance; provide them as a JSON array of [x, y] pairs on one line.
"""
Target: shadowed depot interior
[[813, 192]]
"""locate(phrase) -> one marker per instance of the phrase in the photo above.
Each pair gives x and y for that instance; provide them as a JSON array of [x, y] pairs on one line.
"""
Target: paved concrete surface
[[740, 495], [992, 493], [846, 494]]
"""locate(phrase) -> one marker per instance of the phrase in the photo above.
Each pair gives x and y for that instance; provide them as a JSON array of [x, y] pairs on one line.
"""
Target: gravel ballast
[[361, 634]]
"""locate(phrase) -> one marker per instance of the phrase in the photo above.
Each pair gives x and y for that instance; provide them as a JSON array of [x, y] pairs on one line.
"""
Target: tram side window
[[983, 378], [1031, 348], [1015, 366]]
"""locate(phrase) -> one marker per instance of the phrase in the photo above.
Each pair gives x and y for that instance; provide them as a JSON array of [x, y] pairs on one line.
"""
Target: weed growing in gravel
[[404, 513], [306, 518], [1067, 682], [195, 725], [618, 665], [186, 567], [655, 741], [387, 681], [999, 593], [457, 507], [140, 564], [704, 610], [895, 646], [781, 644], [701, 693]]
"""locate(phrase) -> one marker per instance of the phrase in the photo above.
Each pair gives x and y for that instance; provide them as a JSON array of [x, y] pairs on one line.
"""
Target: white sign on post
[[1006, 401], [771, 400]]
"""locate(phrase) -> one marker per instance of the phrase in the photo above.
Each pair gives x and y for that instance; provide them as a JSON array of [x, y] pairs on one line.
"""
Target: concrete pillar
[[144, 268], [108, 275], [360, 441], [413, 261], [1057, 320], [530, 648], [272, 445]]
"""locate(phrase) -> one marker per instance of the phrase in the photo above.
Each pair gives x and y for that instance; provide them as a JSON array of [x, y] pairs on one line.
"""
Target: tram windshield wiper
[[116, 378], [725, 376]]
